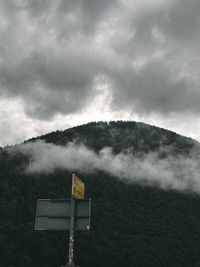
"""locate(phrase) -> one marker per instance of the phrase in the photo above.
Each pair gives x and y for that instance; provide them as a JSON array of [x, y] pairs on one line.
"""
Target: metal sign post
[[71, 235]]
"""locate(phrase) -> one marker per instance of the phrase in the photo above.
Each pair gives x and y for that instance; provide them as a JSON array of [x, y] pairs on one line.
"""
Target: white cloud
[[175, 172]]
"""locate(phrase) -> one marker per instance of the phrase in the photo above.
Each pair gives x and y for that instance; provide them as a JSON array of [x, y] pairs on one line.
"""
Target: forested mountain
[[136, 220]]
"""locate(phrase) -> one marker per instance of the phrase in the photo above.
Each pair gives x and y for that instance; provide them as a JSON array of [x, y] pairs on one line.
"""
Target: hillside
[[145, 218], [120, 136]]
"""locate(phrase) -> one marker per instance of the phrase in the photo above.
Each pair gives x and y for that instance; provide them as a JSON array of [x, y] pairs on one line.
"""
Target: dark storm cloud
[[45, 57], [182, 22], [49, 83], [52, 52], [155, 88], [162, 71], [87, 12]]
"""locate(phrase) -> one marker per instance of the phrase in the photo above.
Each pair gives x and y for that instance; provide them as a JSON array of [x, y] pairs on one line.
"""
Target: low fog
[[171, 172]]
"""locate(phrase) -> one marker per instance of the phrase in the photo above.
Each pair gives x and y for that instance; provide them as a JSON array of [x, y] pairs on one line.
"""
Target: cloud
[[49, 84], [156, 89], [51, 54], [182, 22], [41, 64], [55, 55], [171, 172], [15, 126], [160, 73]]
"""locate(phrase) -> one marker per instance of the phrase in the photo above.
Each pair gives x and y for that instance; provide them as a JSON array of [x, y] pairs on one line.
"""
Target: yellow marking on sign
[[78, 188]]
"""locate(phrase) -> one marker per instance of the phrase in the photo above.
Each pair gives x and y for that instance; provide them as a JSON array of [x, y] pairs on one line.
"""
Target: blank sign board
[[54, 214]]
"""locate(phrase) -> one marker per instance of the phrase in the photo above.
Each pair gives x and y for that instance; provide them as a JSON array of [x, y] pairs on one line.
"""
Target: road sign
[[65, 214], [54, 214], [78, 188]]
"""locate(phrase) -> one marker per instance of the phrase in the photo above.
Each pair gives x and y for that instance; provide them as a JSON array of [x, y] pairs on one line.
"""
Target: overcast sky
[[68, 62]]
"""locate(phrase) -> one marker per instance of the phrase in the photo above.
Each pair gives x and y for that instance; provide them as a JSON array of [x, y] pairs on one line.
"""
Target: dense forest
[[133, 223]]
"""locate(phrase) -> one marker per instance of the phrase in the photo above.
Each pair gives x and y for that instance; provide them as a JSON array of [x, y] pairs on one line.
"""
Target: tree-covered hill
[[120, 136], [133, 224]]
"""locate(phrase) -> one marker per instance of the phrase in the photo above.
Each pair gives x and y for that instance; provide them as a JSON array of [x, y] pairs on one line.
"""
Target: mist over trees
[[133, 223]]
